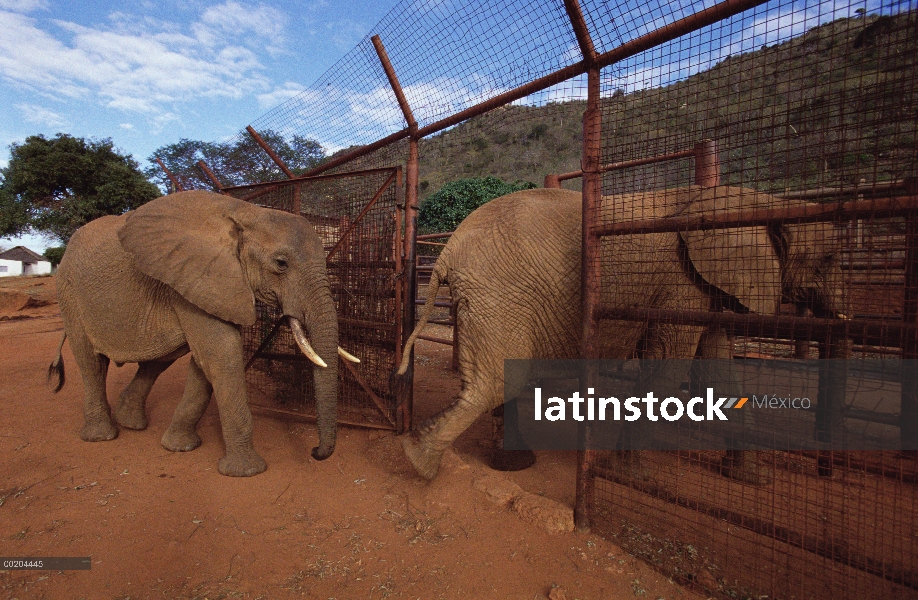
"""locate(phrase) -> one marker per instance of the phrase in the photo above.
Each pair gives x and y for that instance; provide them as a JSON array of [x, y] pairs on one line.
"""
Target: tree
[[236, 162], [54, 255], [54, 186], [446, 208]]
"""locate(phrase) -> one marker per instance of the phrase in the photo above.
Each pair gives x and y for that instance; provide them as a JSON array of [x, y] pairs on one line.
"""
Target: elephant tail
[[436, 278], [56, 377]]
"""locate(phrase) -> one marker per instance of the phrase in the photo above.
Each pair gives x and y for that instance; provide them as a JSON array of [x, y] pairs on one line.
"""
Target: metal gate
[[360, 220]]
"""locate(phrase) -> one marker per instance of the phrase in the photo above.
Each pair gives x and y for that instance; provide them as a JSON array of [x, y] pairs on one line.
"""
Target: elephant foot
[[425, 461], [242, 465], [180, 441], [130, 417], [512, 460], [745, 469], [98, 432]]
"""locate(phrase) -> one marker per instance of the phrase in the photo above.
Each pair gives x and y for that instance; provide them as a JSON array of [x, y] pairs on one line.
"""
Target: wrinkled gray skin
[[178, 275], [513, 267]]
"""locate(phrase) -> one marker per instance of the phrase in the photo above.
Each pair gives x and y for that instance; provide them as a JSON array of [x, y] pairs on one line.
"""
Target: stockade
[[813, 105]]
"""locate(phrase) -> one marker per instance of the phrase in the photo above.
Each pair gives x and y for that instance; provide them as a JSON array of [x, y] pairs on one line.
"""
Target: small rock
[[544, 512], [499, 490], [557, 593]]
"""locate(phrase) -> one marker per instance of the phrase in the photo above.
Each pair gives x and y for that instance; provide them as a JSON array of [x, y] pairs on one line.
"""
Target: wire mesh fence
[[781, 226], [809, 105]]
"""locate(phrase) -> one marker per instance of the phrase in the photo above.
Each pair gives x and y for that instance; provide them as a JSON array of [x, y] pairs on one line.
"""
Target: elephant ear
[[190, 241], [740, 261]]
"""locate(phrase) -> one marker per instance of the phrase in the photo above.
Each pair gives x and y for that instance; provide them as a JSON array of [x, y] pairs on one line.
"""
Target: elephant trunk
[[321, 322]]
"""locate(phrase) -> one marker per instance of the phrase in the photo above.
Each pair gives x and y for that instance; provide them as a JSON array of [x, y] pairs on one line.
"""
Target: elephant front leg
[[131, 410], [182, 435]]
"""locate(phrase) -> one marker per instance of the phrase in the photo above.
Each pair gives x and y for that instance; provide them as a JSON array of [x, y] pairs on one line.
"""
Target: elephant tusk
[[303, 343], [347, 355]]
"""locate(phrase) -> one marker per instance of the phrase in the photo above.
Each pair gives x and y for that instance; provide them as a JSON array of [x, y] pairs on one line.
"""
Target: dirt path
[[359, 525]]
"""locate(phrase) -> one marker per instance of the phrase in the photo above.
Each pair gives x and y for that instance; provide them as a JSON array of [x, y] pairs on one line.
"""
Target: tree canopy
[[236, 162], [54, 186], [446, 208]]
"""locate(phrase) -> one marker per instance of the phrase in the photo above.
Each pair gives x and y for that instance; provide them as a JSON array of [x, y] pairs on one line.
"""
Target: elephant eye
[[280, 264]]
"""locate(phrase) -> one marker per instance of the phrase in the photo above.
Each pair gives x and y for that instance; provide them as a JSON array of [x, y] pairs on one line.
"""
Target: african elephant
[[181, 274], [513, 267]]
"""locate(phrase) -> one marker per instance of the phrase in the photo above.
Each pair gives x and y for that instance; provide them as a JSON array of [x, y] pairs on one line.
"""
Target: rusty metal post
[[591, 274], [908, 414], [210, 175], [552, 181], [396, 86], [270, 151], [707, 164], [176, 184], [406, 404]]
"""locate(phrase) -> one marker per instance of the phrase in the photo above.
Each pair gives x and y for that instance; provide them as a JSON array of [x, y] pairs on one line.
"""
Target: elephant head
[[802, 257], [221, 254]]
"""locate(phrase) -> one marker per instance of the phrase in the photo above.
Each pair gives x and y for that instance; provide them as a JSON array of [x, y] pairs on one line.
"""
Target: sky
[[147, 74]]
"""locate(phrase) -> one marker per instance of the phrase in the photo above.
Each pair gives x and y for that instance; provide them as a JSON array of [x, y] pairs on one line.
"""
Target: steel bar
[[270, 151], [627, 164], [438, 340], [312, 418], [360, 216], [369, 391], [406, 403], [883, 333], [767, 216], [707, 163], [866, 189], [175, 182], [393, 81], [433, 236], [210, 175], [264, 343], [590, 285], [581, 31], [282, 182]]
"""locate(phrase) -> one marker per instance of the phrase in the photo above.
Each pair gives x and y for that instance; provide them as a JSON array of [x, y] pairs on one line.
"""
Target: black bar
[[46, 563]]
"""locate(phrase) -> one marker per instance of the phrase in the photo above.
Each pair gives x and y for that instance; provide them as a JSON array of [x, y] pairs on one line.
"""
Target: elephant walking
[[181, 274], [513, 267]]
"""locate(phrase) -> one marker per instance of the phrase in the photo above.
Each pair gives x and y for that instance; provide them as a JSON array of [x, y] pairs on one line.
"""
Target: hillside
[[829, 107]]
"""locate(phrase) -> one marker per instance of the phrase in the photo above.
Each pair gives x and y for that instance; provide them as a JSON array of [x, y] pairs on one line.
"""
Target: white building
[[22, 261]]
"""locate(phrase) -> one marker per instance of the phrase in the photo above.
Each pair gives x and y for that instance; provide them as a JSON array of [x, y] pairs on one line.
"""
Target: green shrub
[[446, 208]]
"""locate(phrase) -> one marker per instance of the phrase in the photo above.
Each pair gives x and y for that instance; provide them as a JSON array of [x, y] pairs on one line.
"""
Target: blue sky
[[146, 74]]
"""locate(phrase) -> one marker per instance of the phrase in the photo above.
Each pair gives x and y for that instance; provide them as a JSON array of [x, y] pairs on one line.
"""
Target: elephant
[[514, 271], [181, 274]]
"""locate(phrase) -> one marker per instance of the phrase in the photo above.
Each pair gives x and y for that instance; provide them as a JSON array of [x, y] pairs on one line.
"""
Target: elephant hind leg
[[131, 410], [97, 418], [425, 446], [182, 435]]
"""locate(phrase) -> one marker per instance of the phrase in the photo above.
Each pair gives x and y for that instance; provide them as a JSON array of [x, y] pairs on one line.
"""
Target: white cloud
[[23, 6], [127, 126], [279, 95], [140, 67], [32, 113]]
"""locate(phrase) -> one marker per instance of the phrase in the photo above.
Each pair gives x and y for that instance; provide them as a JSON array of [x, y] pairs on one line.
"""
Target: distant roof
[[23, 254]]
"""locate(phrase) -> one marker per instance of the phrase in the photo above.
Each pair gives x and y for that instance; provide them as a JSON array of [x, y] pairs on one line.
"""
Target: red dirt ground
[[359, 525]]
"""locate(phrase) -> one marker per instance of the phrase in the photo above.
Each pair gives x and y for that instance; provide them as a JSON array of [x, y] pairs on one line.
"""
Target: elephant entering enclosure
[[357, 217]]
